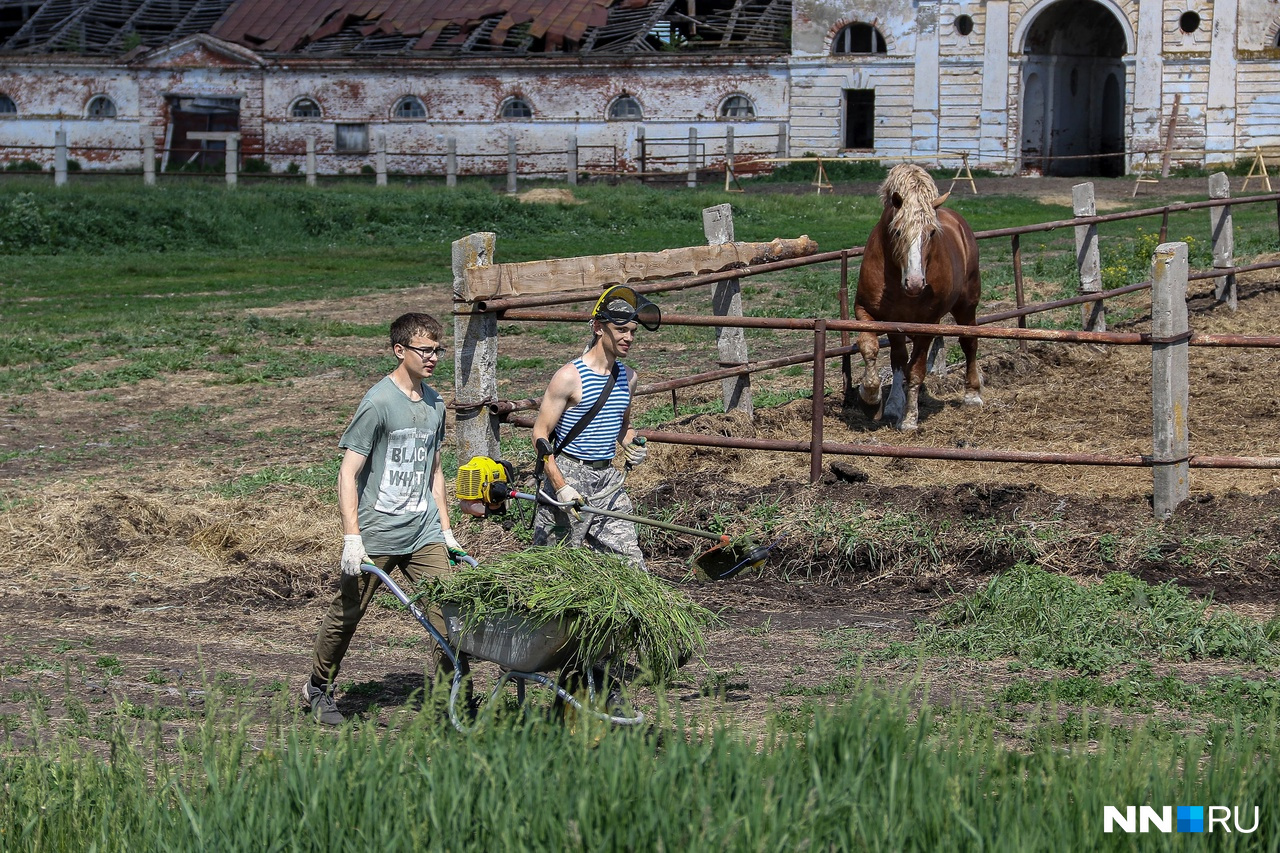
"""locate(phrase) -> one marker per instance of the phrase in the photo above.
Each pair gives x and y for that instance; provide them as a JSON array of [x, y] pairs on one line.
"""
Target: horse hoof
[[870, 408], [973, 400], [908, 425]]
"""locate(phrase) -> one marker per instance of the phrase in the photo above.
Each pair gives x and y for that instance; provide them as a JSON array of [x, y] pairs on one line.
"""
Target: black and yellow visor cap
[[621, 305]]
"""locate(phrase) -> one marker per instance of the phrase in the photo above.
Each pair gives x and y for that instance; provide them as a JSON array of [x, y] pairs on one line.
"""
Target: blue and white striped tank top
[[597, 440]]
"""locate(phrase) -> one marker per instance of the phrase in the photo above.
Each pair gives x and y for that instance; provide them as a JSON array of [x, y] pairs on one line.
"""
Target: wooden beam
[[600, 271]]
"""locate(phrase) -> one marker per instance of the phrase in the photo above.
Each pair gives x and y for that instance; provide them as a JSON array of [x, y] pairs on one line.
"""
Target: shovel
[[723, 560]]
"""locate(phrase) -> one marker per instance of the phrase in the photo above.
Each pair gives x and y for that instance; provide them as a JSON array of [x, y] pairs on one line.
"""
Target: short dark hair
[[408, 326]]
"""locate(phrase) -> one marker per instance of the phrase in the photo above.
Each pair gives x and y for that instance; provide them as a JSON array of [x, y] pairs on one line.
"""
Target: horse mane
[[917, 216]]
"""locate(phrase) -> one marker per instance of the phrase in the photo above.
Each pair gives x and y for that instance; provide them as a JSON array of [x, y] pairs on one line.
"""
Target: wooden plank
[[600, 271]]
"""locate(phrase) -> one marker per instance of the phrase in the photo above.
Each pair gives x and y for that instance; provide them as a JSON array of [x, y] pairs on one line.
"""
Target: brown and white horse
[[921, 262]]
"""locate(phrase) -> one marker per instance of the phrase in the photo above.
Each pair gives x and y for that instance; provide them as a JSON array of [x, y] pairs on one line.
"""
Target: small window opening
[[515, 108], [859, 38], [737, 106], [1189, 22], [305, 108], [409, 107], [625, 108], [101, 107], [7, 106], [964, 25]]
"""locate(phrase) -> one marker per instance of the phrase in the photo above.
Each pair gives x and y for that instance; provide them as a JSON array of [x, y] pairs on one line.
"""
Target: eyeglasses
[[426, 352]]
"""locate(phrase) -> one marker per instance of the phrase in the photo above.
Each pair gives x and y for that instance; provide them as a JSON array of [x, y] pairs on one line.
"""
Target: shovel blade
[[724, 561]]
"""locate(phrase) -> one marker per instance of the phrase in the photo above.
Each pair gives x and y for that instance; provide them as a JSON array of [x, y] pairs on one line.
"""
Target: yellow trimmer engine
[[475, 487]]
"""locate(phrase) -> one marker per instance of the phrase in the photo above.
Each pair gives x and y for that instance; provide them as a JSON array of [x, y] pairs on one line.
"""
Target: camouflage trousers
[[553, 525]]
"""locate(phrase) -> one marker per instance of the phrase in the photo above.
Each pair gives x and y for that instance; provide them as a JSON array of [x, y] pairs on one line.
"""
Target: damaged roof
[[401, 27]]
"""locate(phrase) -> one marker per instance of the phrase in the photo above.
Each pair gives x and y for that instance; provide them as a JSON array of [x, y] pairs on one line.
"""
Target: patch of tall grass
[[1051, 619], [869, 775]]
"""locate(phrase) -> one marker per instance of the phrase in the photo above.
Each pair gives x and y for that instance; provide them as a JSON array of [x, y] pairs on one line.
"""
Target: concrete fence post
[[726, 301], [451, 162], [782, 139], [572, 160], [475, 360], [1093, 315], [380, 160], [1170, 344], [232, 159], [641, 152], [728, 148], [148, 158], [1224, 241], [511, 164], [59, 158], [692, 179], [311, 161]]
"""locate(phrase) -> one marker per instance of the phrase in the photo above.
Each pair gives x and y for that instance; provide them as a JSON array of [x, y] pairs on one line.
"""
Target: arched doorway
[[1073, 91]]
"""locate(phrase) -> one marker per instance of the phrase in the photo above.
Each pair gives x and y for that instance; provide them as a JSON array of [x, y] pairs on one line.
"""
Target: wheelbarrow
[[524, 651]]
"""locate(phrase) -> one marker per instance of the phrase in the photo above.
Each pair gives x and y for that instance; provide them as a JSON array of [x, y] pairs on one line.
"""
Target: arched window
[[100, 106], [737, 106], [516, 108], [625, 108], [305, 108], [409, 107], [7, 106], [859, 38]]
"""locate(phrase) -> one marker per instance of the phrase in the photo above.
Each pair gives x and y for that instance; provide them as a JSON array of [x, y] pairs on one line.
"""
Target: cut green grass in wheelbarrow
[[611, 607]]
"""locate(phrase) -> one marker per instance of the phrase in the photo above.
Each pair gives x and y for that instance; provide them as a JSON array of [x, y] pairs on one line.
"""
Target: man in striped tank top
[[582, 471]]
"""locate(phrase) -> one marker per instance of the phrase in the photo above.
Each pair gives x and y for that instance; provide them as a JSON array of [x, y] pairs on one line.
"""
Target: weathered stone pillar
[[1170, 444], [475, 359], [1222, 232], [232, 159], [311, 161], [148, 158], [59, 158], [726, 301], [1093, 315]]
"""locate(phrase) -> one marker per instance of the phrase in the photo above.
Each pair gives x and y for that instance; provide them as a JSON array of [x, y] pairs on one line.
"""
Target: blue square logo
[[1190, 818]]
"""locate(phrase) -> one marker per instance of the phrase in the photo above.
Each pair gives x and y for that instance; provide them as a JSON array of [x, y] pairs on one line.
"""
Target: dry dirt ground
[[134, 580]]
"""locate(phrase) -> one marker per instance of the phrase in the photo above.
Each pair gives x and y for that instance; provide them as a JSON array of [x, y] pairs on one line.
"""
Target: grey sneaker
[[322, 706]]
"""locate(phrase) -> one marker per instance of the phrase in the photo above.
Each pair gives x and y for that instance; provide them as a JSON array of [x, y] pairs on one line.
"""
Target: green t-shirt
[[400, 438]]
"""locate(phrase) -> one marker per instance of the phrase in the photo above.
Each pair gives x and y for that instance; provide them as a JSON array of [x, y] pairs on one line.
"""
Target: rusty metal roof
[[401, 27]]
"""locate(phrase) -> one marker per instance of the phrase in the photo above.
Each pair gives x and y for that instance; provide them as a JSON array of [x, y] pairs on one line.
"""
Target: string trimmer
[[484, 486]]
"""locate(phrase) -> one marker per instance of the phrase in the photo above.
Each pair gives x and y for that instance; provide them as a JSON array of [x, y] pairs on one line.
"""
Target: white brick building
[[1064, 86]]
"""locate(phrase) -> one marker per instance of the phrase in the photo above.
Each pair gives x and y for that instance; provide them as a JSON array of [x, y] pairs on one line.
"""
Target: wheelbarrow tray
[[514, 642]]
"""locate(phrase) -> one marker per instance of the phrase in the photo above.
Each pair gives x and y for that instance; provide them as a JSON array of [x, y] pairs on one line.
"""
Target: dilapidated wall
[[937, 92]]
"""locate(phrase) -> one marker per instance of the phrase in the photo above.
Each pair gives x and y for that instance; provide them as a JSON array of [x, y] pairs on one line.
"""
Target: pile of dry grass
[[107, 542]]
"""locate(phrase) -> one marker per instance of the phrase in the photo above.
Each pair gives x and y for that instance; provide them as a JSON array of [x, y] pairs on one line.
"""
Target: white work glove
[[456, 551], [353, 554], [636, 451], [567, 494]]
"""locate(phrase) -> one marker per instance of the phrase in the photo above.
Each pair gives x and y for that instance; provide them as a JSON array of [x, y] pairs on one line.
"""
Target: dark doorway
[[1073, 73], [190, 118], [859, 118]]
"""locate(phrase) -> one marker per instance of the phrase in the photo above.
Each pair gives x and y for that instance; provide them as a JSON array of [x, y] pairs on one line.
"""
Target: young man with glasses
[[581, 470], [392, 501]]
